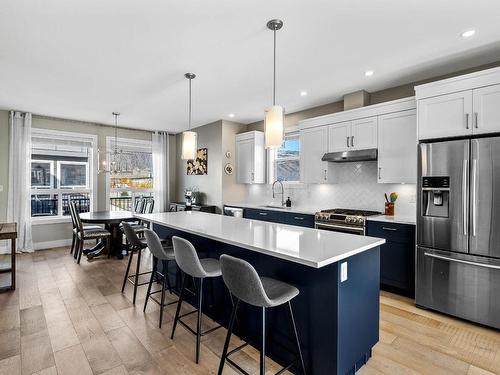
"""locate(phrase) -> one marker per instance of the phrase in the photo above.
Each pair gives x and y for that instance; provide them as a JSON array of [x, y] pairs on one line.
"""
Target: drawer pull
[[263, 213], [298, 218], [392, 229]]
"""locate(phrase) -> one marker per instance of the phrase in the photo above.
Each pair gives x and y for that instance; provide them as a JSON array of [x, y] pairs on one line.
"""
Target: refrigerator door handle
[[464, 196], [442, 257], [474, 196]]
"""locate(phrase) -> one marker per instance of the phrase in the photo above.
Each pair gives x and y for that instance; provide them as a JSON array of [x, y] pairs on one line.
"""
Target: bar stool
[[165, 254], [188, 261], [245, 284], [136, 245]]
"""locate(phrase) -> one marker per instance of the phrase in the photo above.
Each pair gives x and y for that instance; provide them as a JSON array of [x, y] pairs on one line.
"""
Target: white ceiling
[[83, 59]]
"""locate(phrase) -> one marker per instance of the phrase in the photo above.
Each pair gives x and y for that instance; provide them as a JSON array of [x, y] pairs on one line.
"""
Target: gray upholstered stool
[[164, 254], [188, 261], [245, 285]]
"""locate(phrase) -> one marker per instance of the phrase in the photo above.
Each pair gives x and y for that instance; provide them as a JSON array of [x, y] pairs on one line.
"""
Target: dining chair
[[83, 234], [74, 242]]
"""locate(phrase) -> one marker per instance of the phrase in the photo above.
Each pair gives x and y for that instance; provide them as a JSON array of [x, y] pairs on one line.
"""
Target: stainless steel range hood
[[349, 156]]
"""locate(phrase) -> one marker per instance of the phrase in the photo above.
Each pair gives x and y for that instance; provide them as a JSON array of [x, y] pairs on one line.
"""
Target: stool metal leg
[[296, 338], [198, 325], [162, 304], [130, 254], [148, 293], [137, 271], [179, 303], [228, 336], [263, 348]]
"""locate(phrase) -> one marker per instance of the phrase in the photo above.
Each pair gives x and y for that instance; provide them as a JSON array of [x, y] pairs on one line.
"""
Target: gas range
[[343, 220]]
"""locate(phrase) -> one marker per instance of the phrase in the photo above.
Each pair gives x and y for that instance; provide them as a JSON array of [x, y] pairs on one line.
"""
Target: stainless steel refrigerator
[[458, 229]]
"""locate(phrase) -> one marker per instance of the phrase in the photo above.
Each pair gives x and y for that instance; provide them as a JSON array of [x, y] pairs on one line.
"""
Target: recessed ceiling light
[[369, 73], [303, 93], [468, 33], [231, 115]]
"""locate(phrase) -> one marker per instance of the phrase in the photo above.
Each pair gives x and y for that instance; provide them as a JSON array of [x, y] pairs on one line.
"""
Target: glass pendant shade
[[189, 145], [274, 118]]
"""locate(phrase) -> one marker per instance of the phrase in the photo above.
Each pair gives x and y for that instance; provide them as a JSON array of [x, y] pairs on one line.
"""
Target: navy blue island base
[[338, 322]]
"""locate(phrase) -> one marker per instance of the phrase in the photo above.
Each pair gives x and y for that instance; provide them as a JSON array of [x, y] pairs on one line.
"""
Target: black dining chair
[[73, 210], [83, 234]]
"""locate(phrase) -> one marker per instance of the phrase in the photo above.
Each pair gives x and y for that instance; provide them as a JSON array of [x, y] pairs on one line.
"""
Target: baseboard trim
[[51, 244]]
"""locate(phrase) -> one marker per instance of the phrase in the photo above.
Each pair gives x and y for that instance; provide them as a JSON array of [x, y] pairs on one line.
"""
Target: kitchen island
[[338, 275]]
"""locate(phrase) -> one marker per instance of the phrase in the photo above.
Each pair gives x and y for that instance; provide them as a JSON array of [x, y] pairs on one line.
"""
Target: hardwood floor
[[66, 318]]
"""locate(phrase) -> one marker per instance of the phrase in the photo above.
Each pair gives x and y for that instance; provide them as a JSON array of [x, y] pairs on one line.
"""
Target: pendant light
[[274, 114], [189, 138], [113, 157]]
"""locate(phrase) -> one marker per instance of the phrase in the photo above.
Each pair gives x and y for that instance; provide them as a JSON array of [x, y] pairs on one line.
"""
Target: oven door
[[344, 228]]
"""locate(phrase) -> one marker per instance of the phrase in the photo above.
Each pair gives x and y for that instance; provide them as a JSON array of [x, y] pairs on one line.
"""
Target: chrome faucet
[[282, 191]]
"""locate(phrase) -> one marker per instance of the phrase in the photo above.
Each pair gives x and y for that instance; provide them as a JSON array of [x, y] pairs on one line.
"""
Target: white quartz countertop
[[397, 219], [263, 206], [311, 247]]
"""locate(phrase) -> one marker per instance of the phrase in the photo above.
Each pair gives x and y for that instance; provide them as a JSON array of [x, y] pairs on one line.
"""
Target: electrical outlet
[[413, 198], [343, 272], [1, 188]]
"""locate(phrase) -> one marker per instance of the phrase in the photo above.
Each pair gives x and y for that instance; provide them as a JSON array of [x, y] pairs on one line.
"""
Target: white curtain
[[19, 199], [161, 171]]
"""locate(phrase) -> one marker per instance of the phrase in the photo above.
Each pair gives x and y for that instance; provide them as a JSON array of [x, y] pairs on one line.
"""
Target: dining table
[[111, 221]]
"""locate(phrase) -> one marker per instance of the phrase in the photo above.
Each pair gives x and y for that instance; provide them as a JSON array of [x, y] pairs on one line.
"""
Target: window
[[61, 172], [134, 176], [286, 160]]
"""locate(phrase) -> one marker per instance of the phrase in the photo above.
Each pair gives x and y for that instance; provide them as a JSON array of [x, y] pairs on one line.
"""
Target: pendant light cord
[[189, 103], [274, 70]]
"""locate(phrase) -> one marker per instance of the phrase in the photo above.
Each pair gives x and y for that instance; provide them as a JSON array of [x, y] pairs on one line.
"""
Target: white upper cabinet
[[364, 133], [313, 145], [486, 105], [459, 106], [397, 147], [445, 115], [250, 158], [339, 136]]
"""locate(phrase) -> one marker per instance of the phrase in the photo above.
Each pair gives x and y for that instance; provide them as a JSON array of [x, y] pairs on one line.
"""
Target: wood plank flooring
[[66, 318]]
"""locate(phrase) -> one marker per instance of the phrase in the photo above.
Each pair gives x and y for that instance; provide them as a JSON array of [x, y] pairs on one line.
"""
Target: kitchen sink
[[274, 206]]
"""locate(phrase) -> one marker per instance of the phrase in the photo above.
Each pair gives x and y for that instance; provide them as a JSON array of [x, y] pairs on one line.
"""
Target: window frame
[[91, 189], [272, 157], [51, 163], [75, 187], [139, 143]]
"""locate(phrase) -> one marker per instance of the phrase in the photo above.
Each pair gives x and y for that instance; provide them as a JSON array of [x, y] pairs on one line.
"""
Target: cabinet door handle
[[476, 124], [352, 141], [298, 218], [347, 140], [380, 173], [391, 229], [263, 213], [466, 121]]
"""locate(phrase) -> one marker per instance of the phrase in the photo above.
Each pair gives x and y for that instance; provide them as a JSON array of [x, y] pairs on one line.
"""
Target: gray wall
[[231, 191], [217, 187], [209, 136]]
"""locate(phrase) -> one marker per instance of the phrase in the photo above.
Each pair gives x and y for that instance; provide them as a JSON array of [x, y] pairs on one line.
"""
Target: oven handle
[[334, 226]]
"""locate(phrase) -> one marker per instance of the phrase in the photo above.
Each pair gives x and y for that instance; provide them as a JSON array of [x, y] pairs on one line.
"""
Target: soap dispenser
[[288, 202]]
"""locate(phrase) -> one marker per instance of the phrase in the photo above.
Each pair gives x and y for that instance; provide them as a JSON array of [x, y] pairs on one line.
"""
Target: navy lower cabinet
[[264, 215], [301, 220], [397, 256]]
